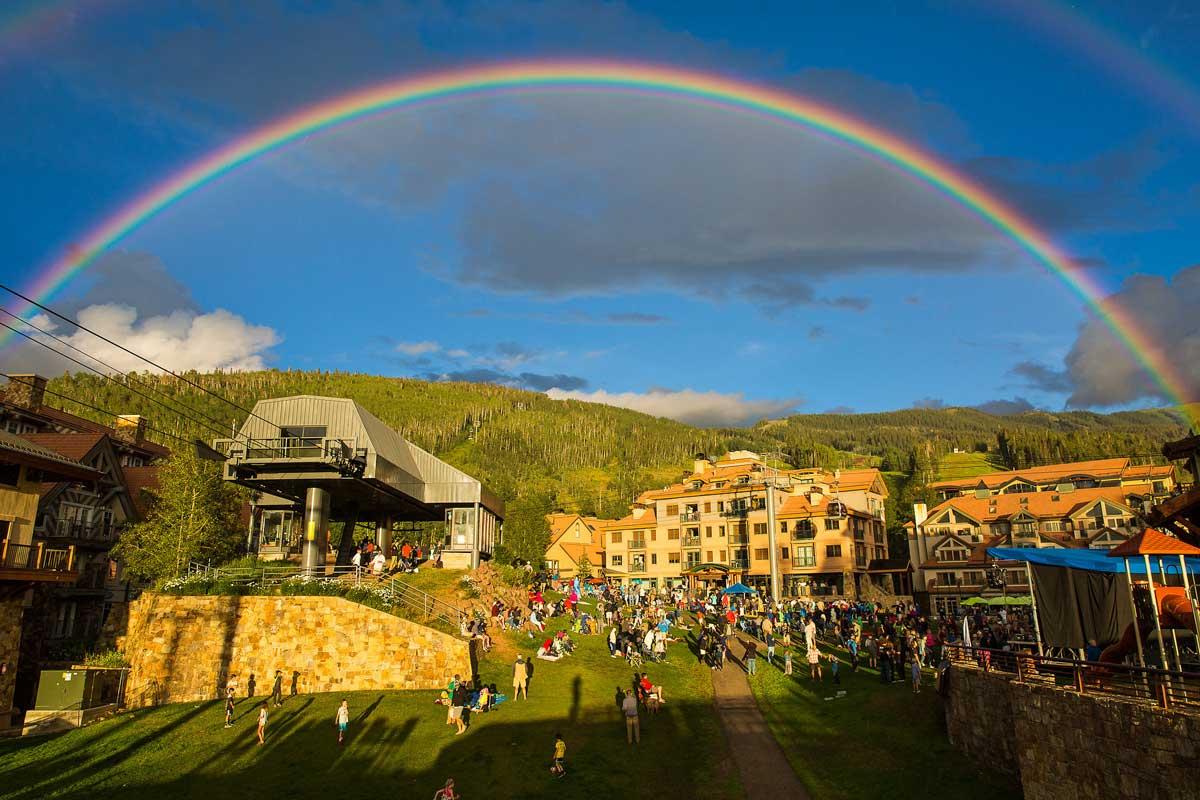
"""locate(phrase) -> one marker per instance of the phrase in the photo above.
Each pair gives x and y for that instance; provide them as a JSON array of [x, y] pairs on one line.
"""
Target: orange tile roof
[[647, 520], [594, 552], [1038, 504], [1153, 543]]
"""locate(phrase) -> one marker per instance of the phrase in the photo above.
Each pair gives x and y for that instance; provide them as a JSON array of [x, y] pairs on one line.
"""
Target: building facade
[[1092, 504], [574, 540], [712, 528]]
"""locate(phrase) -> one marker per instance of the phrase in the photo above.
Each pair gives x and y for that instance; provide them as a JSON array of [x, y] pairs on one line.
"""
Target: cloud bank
[[703, 409]]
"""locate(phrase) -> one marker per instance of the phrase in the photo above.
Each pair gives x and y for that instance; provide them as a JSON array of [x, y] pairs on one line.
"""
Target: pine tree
[[193, 516]]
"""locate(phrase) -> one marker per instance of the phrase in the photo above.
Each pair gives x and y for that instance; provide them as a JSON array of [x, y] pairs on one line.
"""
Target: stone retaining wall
[[1065, 745], [10, 652], [185, 648]]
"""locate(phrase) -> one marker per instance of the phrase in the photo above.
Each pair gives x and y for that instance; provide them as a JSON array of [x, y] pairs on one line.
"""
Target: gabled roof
[[1154, 543], [647, 520], [1050, 473], [23, 451], [594, 552], [74, 446], [138, 481], [1053, 505], [82, 425]]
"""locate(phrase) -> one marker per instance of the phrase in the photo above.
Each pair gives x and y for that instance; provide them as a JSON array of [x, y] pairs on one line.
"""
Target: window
[[805, 556], [833, 551], [947, 579], [720, 530], [761, 554], [673, 510], [708, 508], [616, 561], [302, 441], [973, 578], [760, 528], [10, 474], [954, 555], [653, 536], [708, 531], [615, 538], [860, 555], [722, 555], [64, 621], [654, 558], [783, 553], [693, 558], [720, 505], [672, 558], [672, 534], [833, 524], [783, 527]]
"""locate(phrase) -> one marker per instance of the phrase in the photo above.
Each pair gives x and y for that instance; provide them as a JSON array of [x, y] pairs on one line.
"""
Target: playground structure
[[1171, 608]]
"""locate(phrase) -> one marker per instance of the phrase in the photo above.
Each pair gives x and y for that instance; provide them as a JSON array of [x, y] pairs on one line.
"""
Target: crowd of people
[[405, 556]]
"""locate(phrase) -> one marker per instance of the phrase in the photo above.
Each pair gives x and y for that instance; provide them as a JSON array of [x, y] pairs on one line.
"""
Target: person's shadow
[[250, 686], [295, 683], [528, 673], [576, 693]]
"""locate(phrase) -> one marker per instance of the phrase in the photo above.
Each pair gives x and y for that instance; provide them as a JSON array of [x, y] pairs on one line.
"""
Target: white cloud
[[458, 353], [706, 409], [180, 340], [418, 348]]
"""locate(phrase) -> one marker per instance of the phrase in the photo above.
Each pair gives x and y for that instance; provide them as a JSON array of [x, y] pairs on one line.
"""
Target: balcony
[[740, 512], [739, 563], [803, 534], [37, 562], [739, 538], [635, 569], [82, 531], [690, 541], [689, 516], [637, 544]]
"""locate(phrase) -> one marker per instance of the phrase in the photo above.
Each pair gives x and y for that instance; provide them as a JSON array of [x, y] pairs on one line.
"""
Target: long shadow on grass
[[500, 756]]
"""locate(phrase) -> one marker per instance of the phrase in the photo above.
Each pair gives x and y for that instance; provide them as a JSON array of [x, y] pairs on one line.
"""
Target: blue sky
[[678, 259]]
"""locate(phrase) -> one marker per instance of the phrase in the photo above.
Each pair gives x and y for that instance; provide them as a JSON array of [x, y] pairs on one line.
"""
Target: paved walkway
[[766, 773]]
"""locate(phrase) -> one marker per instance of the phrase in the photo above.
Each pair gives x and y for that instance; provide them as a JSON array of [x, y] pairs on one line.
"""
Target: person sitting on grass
[[447, 792], [546, 651]]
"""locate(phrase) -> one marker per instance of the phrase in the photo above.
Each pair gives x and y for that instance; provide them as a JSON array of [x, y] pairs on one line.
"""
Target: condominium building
[[711, 528], [1090, 504]]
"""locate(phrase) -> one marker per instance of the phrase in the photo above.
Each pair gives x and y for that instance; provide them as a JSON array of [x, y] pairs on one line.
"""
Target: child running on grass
[[916, 674], [229, 710], [557, 769], [342, 720]]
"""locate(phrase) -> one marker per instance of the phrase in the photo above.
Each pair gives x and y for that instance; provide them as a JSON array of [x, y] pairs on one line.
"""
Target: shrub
[[112, 659]]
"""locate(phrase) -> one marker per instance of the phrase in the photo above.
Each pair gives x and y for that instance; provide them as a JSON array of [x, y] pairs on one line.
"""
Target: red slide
[[1174, 611]]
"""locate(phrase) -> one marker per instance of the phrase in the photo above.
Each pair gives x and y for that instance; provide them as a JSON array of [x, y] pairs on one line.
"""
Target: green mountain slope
[[541, 454]]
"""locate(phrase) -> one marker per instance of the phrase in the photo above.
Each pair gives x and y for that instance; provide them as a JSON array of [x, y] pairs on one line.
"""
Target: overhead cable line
[[154, 364], [182, 411], [20, 379]]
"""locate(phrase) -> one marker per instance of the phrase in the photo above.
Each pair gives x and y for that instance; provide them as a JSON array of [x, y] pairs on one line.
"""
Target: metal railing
[[72, 529], [1164, 688], [637, 544], [735, 512], [689, 516], [429, 608], [803, 534], [286, 447], [690, 541], [37, 556]]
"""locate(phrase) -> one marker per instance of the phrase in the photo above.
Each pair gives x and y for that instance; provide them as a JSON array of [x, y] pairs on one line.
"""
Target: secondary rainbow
[[690, 85]]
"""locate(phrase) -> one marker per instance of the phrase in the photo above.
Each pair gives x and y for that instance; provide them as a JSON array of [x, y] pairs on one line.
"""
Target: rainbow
[[663, 81]]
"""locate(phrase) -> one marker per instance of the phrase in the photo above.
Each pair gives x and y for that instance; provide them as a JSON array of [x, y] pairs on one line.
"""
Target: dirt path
[[766, 773]]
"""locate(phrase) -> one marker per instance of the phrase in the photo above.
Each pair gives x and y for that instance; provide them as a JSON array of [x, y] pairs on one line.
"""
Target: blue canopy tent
[[737, 588], [1087, 560]]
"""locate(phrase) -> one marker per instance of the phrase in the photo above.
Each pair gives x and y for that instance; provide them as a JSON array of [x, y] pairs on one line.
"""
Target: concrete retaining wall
[[185, 648]]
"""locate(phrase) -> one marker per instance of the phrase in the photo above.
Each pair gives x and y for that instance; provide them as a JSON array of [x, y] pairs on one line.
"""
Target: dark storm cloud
[[1042, 377]]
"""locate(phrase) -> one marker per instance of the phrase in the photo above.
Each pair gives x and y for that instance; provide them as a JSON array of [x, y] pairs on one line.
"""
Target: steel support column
[[383, 535], [776, 589], [316, 529]]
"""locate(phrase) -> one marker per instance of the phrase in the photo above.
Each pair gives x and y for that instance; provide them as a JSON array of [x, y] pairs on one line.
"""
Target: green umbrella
[[974, 601]]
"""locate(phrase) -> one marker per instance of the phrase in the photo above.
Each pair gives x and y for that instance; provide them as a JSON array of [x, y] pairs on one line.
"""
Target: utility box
[[71, 698]]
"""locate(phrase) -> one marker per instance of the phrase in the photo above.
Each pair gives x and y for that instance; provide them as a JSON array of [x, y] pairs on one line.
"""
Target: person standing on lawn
[[633, 728], [229, 709], [557, 769], [277, 689], [342, 720], [751, 657], [520, 678], [814, 663], [262, 723], [916, 674]]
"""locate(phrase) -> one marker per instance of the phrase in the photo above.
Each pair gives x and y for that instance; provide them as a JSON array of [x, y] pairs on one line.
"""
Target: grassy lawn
[[877, 741], [954, 466], [399, 744]]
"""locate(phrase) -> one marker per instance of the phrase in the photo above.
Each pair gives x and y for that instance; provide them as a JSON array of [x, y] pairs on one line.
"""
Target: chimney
[[701, 464], [130, 428], [638, 512], [26, 391]]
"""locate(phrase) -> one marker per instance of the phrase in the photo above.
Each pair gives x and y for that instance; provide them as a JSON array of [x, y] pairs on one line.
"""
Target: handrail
[[1165, 688], [432, 609]]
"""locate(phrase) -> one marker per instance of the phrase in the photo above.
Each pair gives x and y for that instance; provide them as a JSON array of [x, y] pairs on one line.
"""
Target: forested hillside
[[541, 454]]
